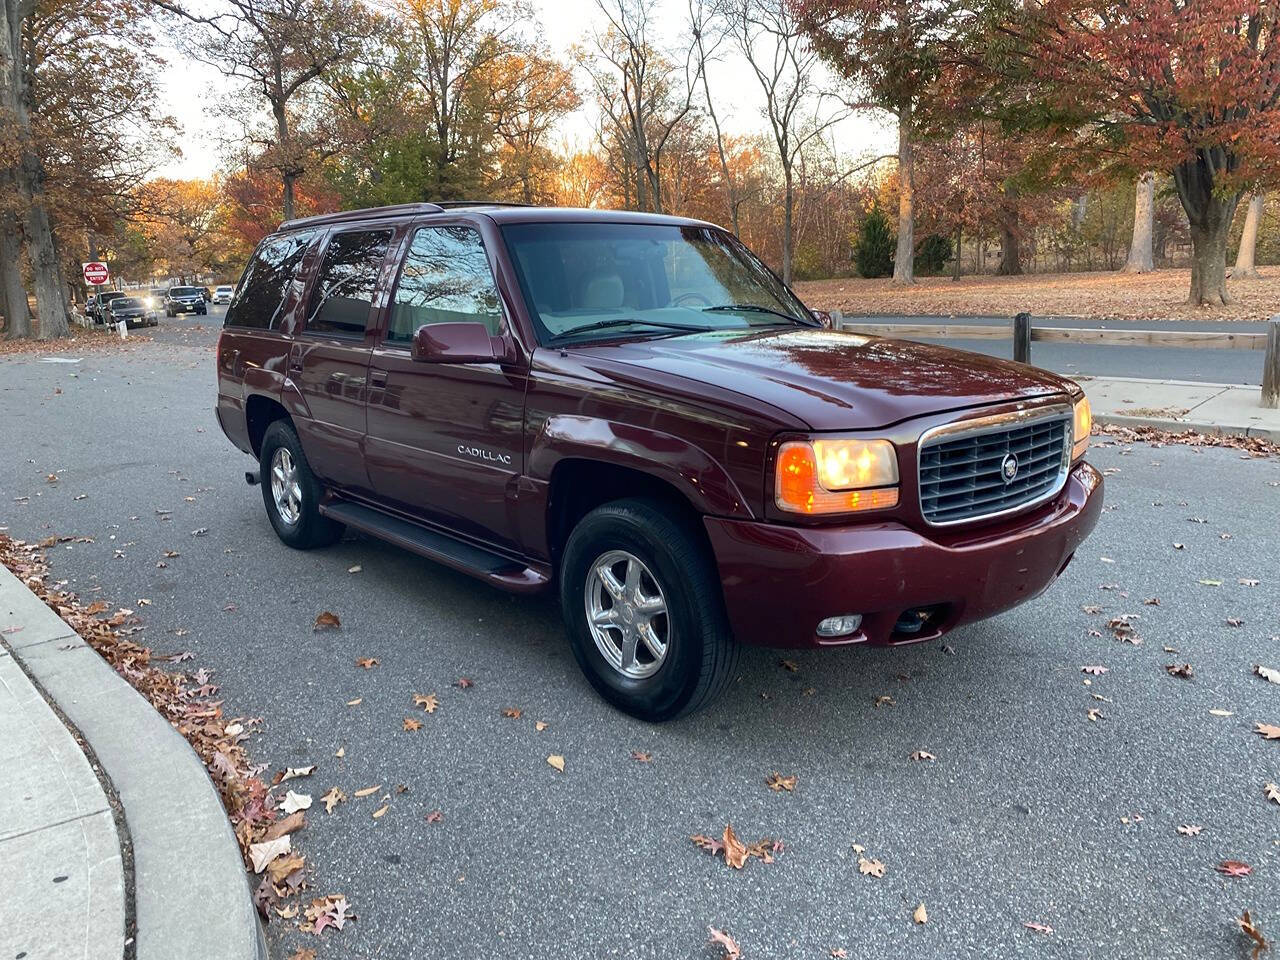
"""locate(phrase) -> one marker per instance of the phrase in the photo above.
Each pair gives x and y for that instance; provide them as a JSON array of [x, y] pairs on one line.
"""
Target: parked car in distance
[[184, 300], [95, 307], [223, 294], [154, 298], [634, 411], [207, 294], [132, 310]]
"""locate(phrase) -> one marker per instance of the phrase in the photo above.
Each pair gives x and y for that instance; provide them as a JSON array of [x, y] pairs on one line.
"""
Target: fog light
[[840, 626]]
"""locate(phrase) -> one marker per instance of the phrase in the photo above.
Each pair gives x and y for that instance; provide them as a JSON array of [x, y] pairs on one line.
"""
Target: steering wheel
[[691, 295]]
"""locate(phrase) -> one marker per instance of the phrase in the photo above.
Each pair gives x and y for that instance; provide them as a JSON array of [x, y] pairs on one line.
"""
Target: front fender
[[686, 467]]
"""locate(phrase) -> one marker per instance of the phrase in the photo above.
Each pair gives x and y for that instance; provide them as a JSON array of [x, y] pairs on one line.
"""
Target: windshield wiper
[[756, 308], [626, 322]]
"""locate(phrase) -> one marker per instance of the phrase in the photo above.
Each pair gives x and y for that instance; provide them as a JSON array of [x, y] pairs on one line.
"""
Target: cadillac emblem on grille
[[1009, 468]]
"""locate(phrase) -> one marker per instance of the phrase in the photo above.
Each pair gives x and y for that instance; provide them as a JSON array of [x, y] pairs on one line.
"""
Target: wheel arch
[[259, 413]]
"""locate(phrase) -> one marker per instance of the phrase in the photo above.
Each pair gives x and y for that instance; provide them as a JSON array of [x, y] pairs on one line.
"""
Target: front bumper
[[179, 307], [780, 581]]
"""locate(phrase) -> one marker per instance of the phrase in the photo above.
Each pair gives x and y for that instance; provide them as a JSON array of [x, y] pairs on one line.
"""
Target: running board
[[465, 557]]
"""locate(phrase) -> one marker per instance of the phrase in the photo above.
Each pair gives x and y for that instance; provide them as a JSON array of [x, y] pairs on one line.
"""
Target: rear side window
[[344, 288], [446, 279], [263, 290]]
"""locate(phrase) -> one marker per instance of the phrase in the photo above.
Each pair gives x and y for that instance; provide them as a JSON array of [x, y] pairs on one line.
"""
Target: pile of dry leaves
[[80, 340], [263, 823], [1254, 446]]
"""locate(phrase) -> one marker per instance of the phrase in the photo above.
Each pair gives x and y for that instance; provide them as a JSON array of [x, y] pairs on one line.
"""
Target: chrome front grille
[[965, 466]]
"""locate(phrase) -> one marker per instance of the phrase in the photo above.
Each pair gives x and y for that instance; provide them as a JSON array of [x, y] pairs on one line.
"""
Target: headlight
[[1082, 425], [836, 476]]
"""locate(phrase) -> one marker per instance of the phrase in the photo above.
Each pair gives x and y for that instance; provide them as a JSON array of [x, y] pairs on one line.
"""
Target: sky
[[191, 89]]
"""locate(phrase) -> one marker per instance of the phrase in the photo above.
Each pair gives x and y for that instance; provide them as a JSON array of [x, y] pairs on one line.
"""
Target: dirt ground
[[1106, 296]]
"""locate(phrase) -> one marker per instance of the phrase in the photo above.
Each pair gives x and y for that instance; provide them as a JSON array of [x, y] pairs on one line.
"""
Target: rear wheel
[[644, 611], [291, 491]]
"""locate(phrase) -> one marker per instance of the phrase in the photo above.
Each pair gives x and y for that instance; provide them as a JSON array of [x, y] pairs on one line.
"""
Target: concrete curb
[[191, 894], [1187, 426]]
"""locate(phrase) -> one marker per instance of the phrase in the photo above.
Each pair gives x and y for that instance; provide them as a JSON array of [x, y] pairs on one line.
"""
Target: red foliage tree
[[1188, 87]]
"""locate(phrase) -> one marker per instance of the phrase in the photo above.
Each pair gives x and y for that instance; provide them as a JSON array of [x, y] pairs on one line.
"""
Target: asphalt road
[[1031, 812], [1160, 363]]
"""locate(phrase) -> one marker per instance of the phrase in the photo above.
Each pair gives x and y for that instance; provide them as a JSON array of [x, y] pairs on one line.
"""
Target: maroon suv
[[635, 409]]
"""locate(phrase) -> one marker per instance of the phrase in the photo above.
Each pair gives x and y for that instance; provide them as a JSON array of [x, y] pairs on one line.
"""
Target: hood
[[837, 381]]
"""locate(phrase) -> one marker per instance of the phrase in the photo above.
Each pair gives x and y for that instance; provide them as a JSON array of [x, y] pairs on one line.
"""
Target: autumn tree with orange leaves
[[1187, 87]]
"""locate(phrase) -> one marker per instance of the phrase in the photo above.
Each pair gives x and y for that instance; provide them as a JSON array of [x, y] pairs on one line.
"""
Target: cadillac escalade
[[633, 410]]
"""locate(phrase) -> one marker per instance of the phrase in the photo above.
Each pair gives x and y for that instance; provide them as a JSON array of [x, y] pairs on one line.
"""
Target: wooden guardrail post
[[1271, 365], [1022, 337]]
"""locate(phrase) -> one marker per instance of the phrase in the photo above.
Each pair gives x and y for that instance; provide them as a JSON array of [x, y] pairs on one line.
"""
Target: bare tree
[[1245, 266], [707, 38], [26, 173], [1141, 258], [645, 95], [770, 38], [277, 48]]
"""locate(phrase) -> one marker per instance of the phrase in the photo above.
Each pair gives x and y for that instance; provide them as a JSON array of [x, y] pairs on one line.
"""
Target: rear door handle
[[377, 378]]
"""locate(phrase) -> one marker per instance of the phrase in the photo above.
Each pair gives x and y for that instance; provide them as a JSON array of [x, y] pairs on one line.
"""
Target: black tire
[[701, 654], [311, 529]]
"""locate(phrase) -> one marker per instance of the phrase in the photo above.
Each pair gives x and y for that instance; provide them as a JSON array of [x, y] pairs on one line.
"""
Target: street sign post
[[96, 273]]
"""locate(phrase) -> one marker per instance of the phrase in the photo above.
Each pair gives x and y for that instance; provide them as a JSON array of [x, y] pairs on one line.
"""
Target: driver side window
[[445, 279]]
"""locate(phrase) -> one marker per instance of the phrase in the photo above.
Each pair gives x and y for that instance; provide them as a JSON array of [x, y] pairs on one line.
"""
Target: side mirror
[[824, 318], [457, 343]]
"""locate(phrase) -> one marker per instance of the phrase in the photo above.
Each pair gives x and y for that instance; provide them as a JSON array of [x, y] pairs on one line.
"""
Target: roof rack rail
[[363, 213], [456, 204]]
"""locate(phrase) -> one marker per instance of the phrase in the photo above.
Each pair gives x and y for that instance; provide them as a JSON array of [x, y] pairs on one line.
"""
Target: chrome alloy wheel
[[627, 614], [286, 486]]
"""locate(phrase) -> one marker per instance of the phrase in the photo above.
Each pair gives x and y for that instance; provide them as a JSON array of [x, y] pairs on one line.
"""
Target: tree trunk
[[1010, 236], [904, 260], [1209, 262], [1141, 256], [286, 205], [955, 270], [788, 206], [13, 295], [1245, 266]]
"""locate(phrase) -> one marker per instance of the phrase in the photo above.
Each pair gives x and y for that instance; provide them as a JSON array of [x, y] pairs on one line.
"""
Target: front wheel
[[644, 611], [291, 491]]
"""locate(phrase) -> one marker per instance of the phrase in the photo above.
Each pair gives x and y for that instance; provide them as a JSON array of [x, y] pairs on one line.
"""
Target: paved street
[[1164, 363], [1030, 813]]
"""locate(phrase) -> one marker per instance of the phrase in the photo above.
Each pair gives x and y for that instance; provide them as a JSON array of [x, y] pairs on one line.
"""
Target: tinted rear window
[[343, 292], [121, 303], [263, 290]]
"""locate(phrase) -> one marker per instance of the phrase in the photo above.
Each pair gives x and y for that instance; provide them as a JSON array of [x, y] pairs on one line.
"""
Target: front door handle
[[377, 378]]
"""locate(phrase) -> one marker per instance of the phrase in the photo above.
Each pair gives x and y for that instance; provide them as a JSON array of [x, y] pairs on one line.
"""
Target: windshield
[[123, 303], [651, 279], [113, 295], [184, 291]]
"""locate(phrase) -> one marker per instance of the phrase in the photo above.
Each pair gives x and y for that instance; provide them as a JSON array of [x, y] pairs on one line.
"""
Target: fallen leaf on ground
[[1234, 868], [1182, 670], [870, 868], [839, 953], [327, 620], [1268, 731], [302, 953], [1210, 583], [777, 782], [295, 821], [1234, 622], [368, 791], [281, 867], [410, 724], [263, 853], [294, 802], [435, 816], [1254, 932], [340, 752], [512, 713], [923, 755], [333, 798], [292, 772], [735, 852], [356, 569], [1095, 714], [462, 683], [381, 810], [1190, 829], [730, 946], [920, 915], [540, 725], [428, 703], [642, 756], [356, 702], [367, 663], [1093, 670], [1272, 791], [556, 761], [1248, 582], [884, 701], [790, 665], [1039, 927], [1221, 713], [331, 911], [1270, 674]]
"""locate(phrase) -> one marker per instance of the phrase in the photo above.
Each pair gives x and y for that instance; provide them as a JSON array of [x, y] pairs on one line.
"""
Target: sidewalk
[[128, 831], [1180, 405], [62, 890]]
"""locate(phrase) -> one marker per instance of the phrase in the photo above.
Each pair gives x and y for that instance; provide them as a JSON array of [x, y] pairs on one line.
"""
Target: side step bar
[[465, 557]]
